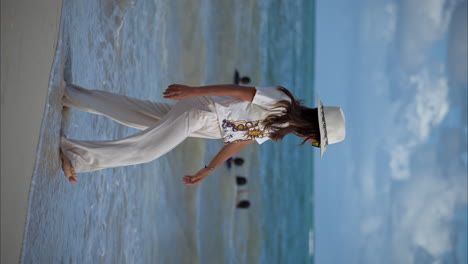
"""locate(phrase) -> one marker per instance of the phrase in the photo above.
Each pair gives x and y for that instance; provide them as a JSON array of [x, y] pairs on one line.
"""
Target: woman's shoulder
[[270, 95], [270, 87]]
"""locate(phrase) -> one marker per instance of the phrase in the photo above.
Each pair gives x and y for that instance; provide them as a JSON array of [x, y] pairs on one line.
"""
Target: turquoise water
[[286, 169], [144, 214], [287, 205]]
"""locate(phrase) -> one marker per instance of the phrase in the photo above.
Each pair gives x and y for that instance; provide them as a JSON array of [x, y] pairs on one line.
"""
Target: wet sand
[[29, 31]]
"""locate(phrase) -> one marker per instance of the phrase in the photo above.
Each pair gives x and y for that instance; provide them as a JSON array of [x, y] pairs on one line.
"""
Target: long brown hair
[[300, 120]]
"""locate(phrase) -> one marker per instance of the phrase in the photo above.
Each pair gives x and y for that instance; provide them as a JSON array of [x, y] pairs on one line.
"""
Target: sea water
[[144, 213]]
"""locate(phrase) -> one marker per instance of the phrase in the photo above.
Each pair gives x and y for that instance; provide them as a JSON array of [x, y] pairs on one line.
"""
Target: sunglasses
[[316, 144]]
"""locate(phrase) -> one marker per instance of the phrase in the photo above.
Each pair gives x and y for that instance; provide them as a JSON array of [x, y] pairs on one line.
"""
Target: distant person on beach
[[242, 204], [234, 161], [239, 115], [240, 80], [241, 180]]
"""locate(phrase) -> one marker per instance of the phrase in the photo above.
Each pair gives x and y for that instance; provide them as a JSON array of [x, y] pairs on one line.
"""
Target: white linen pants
[[164, 127]]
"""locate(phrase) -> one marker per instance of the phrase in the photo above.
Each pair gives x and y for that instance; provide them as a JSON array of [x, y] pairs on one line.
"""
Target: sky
[[395, 191]]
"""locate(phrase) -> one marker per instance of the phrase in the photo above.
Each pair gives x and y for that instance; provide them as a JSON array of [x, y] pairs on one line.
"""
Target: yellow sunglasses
[[316, 144]]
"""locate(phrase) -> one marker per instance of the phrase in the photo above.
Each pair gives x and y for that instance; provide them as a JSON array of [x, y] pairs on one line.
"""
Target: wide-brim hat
[[332, 125]]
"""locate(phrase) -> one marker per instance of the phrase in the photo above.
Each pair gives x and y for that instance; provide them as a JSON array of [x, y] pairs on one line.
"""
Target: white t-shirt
[[241, 120]]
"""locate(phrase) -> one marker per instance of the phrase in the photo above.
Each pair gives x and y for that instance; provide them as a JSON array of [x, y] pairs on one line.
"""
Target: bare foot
[[67, 168]]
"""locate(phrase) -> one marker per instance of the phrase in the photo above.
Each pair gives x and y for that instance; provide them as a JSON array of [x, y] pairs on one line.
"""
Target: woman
[[239, 115]]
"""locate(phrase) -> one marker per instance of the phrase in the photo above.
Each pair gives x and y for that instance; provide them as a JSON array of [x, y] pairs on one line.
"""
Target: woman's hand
[[198, 177], [179, 92]]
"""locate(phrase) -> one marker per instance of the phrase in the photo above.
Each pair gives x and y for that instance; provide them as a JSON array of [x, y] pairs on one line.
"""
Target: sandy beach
[[29, 31], [143, 213]]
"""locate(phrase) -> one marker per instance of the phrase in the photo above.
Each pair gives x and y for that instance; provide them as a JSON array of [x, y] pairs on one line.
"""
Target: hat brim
[[322, 127]]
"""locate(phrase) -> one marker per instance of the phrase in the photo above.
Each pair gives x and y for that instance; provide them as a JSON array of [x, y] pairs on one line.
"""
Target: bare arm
[[225, 153], [182, 92]]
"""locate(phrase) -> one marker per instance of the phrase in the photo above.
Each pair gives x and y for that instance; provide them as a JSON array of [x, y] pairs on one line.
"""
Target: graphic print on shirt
[[241, 130]]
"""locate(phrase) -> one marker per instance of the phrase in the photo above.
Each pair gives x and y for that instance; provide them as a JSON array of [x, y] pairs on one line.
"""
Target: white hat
[[331, 124]]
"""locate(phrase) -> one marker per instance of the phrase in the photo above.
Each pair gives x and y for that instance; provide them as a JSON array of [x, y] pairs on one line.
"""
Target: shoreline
[[29, 36]]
